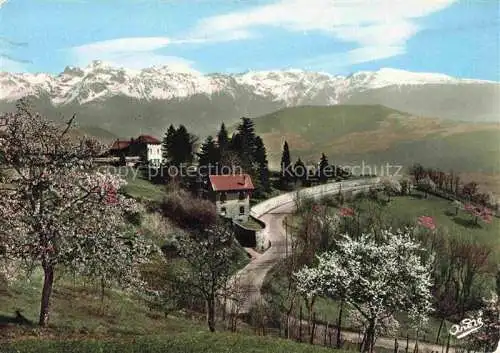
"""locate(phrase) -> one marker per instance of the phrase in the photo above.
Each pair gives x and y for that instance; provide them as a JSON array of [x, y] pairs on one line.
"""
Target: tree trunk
[[339, 325], [211, 314], [370, 337], [439, 330], [48, 281]]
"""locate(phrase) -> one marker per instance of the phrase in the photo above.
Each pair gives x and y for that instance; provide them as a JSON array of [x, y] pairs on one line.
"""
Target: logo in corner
[[466, 327]]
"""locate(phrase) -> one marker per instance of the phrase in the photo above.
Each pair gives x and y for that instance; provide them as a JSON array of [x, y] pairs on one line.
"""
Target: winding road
[[252, 276], [272, 212]]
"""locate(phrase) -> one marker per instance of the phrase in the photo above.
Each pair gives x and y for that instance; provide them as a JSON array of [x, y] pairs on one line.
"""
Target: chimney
[[244, 180]]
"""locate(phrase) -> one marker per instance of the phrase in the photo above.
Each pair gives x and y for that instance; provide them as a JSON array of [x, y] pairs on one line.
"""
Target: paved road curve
[[252, 276]]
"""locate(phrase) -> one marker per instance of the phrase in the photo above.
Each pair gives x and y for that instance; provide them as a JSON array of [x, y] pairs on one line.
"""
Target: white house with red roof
[[146, 147], [231, 195]]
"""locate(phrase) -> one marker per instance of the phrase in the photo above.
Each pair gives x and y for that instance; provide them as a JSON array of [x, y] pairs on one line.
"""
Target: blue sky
[[459, 38]]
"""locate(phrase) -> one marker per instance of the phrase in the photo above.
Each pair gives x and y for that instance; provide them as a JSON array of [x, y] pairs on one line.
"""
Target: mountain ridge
[[101, 80], [125, 101]]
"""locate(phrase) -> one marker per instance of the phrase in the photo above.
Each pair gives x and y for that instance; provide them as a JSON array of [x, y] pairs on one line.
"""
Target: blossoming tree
[[426, 185], [208, 256], [56, 210], [479, 213], [376, 276], [391, 187]]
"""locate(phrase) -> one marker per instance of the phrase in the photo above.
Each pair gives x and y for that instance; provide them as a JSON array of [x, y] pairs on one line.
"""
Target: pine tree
[[262, 163], [246, 135], [286, 163], [168, 142], [236, 143], [323, 165], [223, 138], [300, 171], [209, 155], [183, 147]]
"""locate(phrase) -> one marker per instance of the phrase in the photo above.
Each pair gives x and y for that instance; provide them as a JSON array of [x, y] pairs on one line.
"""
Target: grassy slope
[[125, 325], [377, 134], [189, 342]]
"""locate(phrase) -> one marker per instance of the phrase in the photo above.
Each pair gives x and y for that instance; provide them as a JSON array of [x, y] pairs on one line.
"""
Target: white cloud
[[2, 2], [9, 65], [142, 60], [133, 53], [123, 45], [379, 27]]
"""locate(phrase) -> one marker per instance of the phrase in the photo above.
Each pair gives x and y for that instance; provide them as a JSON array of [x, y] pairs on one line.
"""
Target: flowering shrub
[[346, 212], [427, 222], [479, 213]]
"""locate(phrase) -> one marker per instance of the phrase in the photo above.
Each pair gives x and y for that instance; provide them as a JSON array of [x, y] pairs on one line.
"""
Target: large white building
[[146, 147]]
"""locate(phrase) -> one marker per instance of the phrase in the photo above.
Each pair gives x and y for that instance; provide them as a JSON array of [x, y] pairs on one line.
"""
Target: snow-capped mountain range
[[124, 101], [100, 81]]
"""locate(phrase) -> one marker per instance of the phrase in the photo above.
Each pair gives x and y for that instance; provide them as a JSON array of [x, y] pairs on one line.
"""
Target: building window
[[242, 195], [223, 211], [223, 196], [242, 209]]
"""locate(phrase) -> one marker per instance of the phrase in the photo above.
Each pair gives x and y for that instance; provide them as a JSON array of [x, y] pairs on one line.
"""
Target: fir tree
[[168, 142], [286, 163], [182, 147], [262, 163], [300, 171], [322, 170], [223, 138], [246, 136], [209, 155]]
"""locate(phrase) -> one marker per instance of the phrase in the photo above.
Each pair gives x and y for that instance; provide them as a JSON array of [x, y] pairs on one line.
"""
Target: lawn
[[80, 323], [187, 342], [408, 209], [137, 186]]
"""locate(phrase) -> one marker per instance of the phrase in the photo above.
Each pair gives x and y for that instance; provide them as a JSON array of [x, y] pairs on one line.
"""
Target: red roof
[[120, 145], [148, 139], [231, 182]]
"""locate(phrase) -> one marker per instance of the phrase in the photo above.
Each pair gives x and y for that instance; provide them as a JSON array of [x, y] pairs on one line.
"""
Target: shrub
[[188, 211]]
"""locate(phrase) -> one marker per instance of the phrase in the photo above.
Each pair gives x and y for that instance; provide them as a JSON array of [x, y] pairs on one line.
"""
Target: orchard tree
[[377, 276], [391, 187], [479, 213], [208, 256], [457, 205], [426, 185], [418, 172], [56, 210]]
